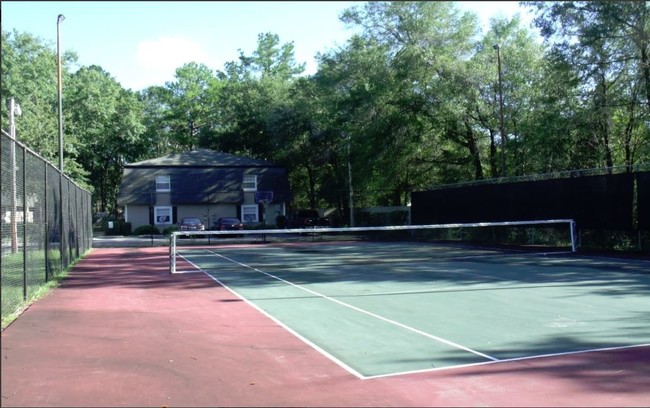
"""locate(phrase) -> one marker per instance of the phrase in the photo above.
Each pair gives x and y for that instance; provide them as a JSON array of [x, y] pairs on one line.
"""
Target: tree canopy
[[419, 97]]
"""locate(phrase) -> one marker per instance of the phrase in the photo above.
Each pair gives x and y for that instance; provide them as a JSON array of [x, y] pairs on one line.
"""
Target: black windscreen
[[593, 202]]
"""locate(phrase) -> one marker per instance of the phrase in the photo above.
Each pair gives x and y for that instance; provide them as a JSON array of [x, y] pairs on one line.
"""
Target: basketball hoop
[[264, 197]]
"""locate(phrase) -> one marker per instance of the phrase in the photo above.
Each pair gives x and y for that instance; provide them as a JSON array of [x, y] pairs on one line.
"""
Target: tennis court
[[122, 331], [385, 308]]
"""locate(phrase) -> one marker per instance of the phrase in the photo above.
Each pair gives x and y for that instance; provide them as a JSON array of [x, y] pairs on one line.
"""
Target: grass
[[38, 294], [13, 302]]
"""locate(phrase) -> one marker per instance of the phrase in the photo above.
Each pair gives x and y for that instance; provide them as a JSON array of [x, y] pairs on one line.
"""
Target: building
[[206, 184]]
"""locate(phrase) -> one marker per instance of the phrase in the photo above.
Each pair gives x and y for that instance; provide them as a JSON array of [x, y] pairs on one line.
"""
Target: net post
[[172, 253], [572, 227]]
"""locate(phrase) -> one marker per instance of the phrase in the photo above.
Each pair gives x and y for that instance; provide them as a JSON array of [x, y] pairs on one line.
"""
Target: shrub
[[167, 231], [119, 227], [146, 230]]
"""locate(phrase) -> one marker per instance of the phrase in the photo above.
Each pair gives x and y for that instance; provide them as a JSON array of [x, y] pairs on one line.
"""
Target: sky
[[141, 43]]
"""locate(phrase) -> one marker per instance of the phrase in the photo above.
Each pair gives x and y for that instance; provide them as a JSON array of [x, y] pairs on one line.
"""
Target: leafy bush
[[146, 230], [167, 231], [119, 227], [379, 219]]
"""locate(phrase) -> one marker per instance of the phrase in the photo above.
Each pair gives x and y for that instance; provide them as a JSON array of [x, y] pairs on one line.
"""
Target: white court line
[[376, 316], [509, 360], [278, 322], [361, 376]]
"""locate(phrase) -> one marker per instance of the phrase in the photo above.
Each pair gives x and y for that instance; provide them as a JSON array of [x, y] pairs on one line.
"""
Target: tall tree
[[302, 142], [253, 87], [29, 75], [606, 43], [422, 125], [191, 102], [272, 59], [507, 67], [157, 137], [105, 125]]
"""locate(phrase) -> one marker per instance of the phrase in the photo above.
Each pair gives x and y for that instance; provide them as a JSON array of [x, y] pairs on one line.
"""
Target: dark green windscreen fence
[[46, 223], [599, 203]]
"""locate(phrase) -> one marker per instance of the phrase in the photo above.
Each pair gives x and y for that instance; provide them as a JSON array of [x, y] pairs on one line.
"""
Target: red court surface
[[122, 331]]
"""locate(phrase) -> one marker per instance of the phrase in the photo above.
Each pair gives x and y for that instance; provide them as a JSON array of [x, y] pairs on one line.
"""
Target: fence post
[[46, 221], [24, 198]]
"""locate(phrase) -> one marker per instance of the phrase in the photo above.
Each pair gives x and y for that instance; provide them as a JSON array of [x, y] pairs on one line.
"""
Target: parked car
[[227, 224], [191, 224], [307, 219]]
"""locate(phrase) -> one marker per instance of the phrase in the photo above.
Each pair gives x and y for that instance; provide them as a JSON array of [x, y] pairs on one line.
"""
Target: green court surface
[[383, 309]]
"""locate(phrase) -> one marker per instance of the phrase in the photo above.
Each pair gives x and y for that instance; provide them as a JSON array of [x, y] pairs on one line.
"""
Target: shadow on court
[[122, 331]]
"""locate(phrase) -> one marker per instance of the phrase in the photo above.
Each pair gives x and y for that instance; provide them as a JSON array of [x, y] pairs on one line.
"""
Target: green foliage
[[29, 75], [167, 231], [147, 230], [611, 240], [605, 46], [13, 301], [191, 102], [105, 126], [378, 219], [119, 227], [253, 88], [409, 102]]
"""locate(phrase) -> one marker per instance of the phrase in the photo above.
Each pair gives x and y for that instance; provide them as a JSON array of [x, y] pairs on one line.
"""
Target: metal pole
[[572, 229], [46, 219], [501, 127], [350, 186], [14, 205], [58, 56], [59, 20], [151, 207], [172, 253], [24, 199]]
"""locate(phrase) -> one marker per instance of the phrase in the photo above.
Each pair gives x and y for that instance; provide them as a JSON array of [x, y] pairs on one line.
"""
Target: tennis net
[[405, 241]]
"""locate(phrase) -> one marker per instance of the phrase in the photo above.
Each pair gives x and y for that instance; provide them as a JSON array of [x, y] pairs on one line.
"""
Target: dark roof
[[202, 157], [213, 177]]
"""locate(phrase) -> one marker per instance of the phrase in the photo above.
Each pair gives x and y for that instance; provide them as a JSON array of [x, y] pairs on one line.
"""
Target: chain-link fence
[[46, 223]]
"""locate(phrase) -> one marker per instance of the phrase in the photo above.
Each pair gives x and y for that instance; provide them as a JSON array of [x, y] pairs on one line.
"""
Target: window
[[163, 184], [249, 213], [162, 215], [250, 183]]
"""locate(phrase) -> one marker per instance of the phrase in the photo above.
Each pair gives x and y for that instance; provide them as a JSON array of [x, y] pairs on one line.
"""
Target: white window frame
[[163, 211], [250, 213], [163, 184], [249, 182]]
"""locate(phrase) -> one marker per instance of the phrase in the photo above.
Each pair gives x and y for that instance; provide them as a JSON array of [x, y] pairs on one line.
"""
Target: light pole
[[501, 127], [59, 20]]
